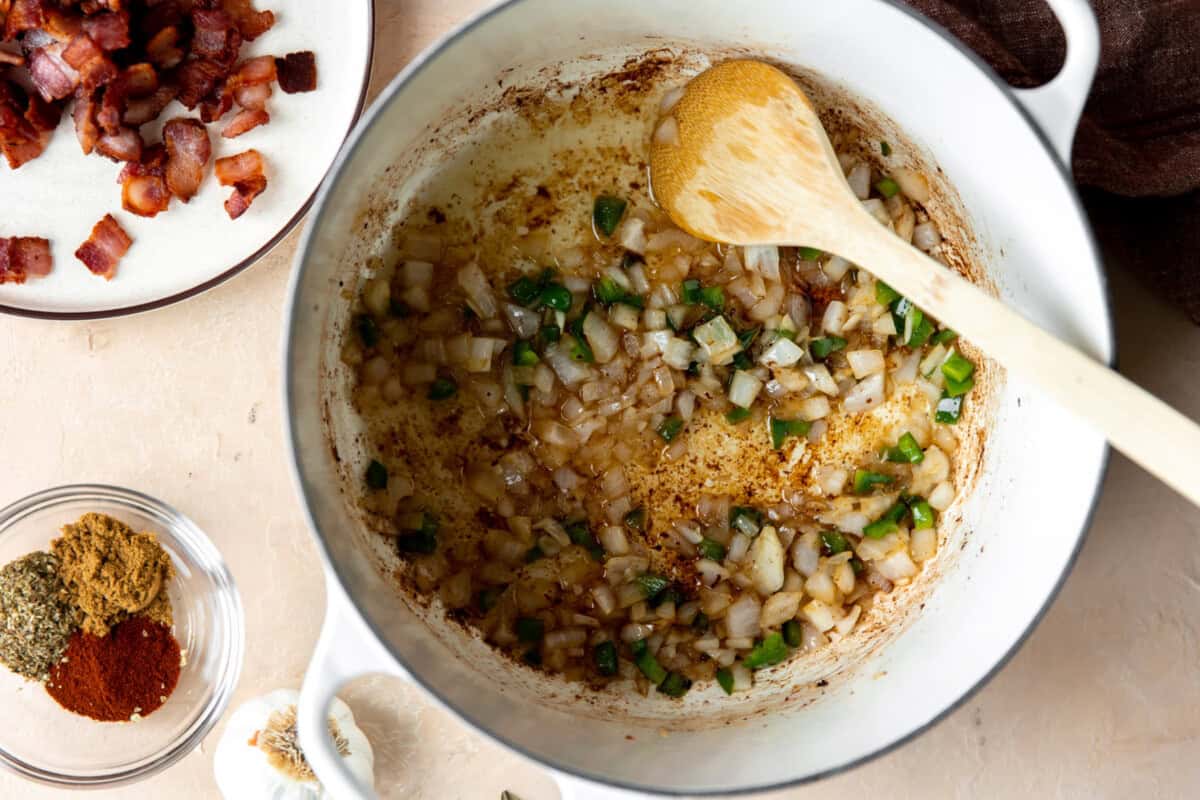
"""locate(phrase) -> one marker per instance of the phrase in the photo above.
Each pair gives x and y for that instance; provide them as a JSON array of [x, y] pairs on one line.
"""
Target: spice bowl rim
[[228, 630]]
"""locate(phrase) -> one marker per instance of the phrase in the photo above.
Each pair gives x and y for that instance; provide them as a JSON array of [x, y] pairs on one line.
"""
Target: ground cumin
[[111, 573]]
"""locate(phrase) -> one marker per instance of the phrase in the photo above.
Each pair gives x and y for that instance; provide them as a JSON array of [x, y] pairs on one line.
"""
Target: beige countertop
[[184, 404]]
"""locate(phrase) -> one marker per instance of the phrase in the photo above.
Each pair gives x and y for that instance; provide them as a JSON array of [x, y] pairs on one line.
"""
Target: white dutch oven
[[1003, 150]]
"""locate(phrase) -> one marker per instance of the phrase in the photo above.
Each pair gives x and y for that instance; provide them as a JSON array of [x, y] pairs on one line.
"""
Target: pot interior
[[1006, 543]]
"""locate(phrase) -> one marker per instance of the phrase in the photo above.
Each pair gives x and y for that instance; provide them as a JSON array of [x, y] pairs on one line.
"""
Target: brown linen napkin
[[1137, 152]]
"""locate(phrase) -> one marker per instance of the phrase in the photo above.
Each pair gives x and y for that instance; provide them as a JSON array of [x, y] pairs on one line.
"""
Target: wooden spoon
[[743, 159]]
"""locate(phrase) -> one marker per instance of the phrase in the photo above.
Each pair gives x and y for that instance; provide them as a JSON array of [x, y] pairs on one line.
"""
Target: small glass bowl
[[44, 742]]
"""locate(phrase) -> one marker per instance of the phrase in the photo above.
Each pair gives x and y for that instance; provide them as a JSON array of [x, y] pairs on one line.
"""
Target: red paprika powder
[[131, 671]]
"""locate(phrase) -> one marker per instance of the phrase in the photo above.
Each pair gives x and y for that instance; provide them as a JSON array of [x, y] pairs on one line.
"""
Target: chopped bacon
[[143, 187], [140, 79], [24, 15], [124, 145], [188, 152], [245, 121], [141, 110], [110, 31], [104, 248], [244, 172], [216, 36], [26, 124], [53, 77], [22, 257], [253, 97], [163, 48], [86, 128], [197, 79], [297, 72], [95, 68], [251, 23]]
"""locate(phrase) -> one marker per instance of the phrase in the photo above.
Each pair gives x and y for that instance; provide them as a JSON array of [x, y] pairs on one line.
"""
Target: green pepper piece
[[690, 292], [604, 655], [922, 514], [822, 347], [792, 633], [884, 294], [781, 429], [674, 685], [669, 428], [530, 629], [442, 388], [770, 651], [737, 415], [651, 585], [887, 187], [810, 253], [865, 480], [833, 542], [607, 212], [377, 475], [714, 551], [524, 291], [556, 296], [368, 331], [713, 297], [948, 409], [523, 354], [725, 679], [647, 663]]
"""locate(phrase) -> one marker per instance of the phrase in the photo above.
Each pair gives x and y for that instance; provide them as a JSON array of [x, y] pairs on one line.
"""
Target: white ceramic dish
[[1020, 528], [194, 246]]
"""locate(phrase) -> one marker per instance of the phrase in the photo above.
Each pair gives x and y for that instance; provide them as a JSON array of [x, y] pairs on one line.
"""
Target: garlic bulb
[[259, 757]]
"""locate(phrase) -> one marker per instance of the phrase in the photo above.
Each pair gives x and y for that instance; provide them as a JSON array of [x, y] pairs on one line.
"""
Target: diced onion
[[865, 362], [632, 234], [836, 268], [763, 259], [926, 236], [835, 318], [912, 183], [744, 388], [524, 322], [567, 369], [781, 353], [860, 180], [741, 619], [478, 290], [417, 273], [818, 375], [815, 407], [612, 539], [942, 496], [864, 395]]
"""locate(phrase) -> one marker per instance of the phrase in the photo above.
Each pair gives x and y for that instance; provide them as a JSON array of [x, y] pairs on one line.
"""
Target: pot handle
[[345, 650], [1057, 105]]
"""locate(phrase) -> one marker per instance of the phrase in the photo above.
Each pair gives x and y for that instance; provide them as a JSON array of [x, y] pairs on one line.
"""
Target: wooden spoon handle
[[1151, 433]]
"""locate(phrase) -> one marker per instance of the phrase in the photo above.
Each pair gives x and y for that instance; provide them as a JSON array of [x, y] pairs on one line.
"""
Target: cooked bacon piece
[[197, 79], [216, 36], [245, 121], [253, 97], [41, 115], [53, 77], [297, 72], [95, 68], [112, 107], [244, 172], [61, 25], [143, 187], [251, 23], [22, 257], [141, 110], [188, 152], [86, 128], [124, 145], [250, 84], [140, 79], [24, 15], [104, 248], [26, 124], [163, 48], [110, 31]]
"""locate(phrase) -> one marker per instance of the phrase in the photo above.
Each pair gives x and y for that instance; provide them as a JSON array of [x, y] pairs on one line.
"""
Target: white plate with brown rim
[[195, 246]]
